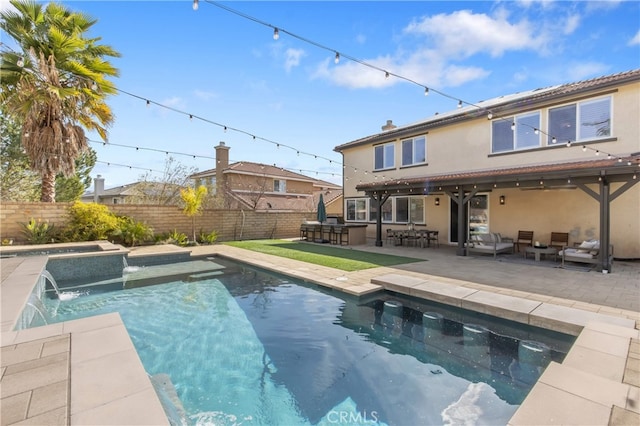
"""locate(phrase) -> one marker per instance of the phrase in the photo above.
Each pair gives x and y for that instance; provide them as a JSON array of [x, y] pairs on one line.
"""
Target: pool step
[[204, 276]]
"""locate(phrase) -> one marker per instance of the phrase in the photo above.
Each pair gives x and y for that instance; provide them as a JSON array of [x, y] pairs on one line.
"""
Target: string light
[[276, 34], [459, 104], [513, 125], [337, 58], [195, 4], [94, 86], [386, 74], [489, 116], [20, 62], [426, 91]]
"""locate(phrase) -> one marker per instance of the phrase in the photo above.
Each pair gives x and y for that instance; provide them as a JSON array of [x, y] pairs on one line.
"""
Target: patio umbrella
[[322, 211]]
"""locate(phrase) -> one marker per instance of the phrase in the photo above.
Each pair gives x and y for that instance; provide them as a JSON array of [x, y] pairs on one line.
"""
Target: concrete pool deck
[[598, 383]]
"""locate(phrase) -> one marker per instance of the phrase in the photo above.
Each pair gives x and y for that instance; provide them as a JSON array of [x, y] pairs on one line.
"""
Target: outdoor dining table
[[403, 236]]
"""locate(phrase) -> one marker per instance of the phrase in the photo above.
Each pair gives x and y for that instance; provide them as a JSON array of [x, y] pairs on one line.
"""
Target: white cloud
[[463, 33], [361, 38], [635, 39], [581, 71], [206, 96], [292, 58], [572, 23], [5, 5]]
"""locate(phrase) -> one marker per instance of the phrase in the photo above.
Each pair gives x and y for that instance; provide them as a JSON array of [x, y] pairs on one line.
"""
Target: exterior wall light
[[502, 200], [437, 201]]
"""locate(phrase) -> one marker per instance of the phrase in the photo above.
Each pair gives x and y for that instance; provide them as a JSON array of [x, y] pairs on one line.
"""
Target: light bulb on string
[[195, 4], [489, 116], [276, 34], [94, 86], [386, 74], [337, 58], [20, 62], [513, 125], [459, 104], [426, 91], [536, 131], [148, 103], [584, 148]]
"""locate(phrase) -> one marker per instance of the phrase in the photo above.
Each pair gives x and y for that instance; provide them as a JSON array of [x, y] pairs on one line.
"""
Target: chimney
[[222, 162], [389, 126], [98, 188]]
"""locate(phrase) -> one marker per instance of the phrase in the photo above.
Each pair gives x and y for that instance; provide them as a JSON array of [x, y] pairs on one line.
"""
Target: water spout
[[66, 295], [47, 275], [36, 304]]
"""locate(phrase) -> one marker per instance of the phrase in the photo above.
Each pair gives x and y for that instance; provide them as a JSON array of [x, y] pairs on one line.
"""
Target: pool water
[[242, 346]]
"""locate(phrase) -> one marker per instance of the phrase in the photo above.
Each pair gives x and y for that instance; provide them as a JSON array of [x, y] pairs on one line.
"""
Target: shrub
[[38, 232], [175, 237], [209, 238], [131, 232], [90, 221]]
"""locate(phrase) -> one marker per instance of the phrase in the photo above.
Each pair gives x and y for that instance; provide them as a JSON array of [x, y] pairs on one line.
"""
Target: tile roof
[[264, 169], [610, 167]]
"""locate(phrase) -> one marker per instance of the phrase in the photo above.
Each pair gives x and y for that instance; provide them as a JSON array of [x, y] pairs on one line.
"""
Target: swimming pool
[[242, 346]]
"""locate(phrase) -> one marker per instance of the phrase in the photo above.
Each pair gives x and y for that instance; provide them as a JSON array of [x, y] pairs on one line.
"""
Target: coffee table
[[537, 251]]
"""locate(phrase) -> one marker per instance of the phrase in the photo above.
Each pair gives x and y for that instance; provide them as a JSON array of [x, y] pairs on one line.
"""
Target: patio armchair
[[559, 240], [524, 238]]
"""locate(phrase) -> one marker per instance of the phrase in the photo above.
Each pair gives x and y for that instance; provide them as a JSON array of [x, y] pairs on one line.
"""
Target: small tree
[[193, 199]]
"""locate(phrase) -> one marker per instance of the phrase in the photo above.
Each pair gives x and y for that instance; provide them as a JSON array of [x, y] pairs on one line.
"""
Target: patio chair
[[412, 238], [524, 238], [559, 240], [432, 238], [391, 237]]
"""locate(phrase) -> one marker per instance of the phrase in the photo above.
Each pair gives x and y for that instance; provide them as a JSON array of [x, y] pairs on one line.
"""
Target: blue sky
[[228, 69]]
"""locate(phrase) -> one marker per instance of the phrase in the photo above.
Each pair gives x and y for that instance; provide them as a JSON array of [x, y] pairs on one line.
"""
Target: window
[[409, 209], [581, 121], [357, 210], [522, 136], [387, 211], [414, 151], [384, 156], [279, 185], [595, 119]]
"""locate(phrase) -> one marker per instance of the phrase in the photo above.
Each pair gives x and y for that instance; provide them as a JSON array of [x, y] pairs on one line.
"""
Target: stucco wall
[[546, 211], [230, 224]]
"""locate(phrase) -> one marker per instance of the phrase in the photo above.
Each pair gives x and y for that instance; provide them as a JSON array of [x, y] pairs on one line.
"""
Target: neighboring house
[[134, 193], [559, 159], [255, 186]]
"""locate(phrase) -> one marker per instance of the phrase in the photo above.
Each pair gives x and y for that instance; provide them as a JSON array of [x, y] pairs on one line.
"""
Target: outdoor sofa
[[585, 252], [491, 243]]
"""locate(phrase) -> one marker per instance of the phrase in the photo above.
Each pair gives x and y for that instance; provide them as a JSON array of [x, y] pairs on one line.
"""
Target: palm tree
[[55, 85]]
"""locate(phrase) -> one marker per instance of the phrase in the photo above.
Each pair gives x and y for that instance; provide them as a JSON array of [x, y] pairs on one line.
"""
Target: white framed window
[[357, 209], [384, 156], [516, 133], [394, 210], [581, 121], [279, 185], [414, 151]]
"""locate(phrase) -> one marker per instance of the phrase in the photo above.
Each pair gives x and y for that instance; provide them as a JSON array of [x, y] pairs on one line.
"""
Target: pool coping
[[599, 355]]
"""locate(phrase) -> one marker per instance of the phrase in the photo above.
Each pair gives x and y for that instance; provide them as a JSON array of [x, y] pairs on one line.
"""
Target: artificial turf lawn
[[319, 254]]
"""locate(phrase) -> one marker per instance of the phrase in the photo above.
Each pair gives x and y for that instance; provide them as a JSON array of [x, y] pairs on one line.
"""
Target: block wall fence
[[229, 224]]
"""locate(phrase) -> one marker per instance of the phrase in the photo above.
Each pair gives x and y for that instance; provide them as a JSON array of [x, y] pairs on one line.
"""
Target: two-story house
[[256, 186], [558, 159]]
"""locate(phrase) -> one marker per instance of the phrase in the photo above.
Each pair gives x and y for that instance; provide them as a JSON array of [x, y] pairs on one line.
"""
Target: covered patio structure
[[594, 177]]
